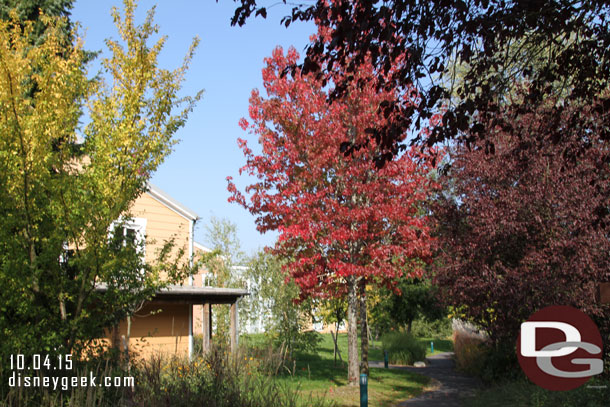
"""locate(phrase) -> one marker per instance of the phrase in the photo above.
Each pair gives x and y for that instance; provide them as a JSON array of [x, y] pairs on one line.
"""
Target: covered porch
[[206, 297], [165, 323]]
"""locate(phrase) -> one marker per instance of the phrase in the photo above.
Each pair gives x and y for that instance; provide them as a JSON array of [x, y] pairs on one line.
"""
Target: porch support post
[[233, 328], [206, 325], [190, 331]]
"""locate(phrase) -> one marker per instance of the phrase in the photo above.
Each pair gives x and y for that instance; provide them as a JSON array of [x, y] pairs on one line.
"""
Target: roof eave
[[171, 203]]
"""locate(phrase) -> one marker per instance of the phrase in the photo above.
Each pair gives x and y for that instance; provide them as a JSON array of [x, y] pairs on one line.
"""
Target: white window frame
[[139, 226]]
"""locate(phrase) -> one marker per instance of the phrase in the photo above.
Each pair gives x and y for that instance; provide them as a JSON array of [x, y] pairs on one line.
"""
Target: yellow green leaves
[[41, 88], [59, 192], [133, 112]]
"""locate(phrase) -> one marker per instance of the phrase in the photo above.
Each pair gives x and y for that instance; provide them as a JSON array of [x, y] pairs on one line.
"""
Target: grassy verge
[[385, 388], [318, 375]]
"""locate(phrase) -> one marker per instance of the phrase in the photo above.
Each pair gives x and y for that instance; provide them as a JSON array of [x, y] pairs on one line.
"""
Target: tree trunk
[[352, 331], [126, 344], [364, 332], [335, 349]]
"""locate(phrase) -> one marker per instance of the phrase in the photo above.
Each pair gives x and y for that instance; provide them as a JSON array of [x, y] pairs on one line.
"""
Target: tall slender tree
[[57, 206], [342, 221]]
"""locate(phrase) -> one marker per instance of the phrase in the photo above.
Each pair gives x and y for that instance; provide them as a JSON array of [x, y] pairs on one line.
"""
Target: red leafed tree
[[343, 222], [522, 231]]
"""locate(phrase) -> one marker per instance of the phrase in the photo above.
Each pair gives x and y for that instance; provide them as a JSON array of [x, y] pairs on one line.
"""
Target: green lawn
[[375, 347], [318, 375], [440, 345]]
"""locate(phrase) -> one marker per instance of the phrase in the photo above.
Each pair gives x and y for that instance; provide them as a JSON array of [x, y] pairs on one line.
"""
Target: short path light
[[364, 392], [385, 359]]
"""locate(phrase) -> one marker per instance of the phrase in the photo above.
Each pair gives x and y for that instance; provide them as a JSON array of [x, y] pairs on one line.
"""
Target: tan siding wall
[[159, 329], [165, 331], [327, 328], [198, 319], [162, 224]]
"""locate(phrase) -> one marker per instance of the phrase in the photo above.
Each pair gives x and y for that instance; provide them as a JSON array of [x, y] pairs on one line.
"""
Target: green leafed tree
[[34, 10], [221, 236], [410, 300], [273, 300], [64, 196], [225, 265]]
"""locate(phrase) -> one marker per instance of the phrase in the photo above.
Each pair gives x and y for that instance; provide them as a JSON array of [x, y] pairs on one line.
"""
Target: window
[[133, 230]]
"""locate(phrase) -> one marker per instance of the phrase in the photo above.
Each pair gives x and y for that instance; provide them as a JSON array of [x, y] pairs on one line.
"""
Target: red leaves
[[337, 215], [525, 229], [243, 123]]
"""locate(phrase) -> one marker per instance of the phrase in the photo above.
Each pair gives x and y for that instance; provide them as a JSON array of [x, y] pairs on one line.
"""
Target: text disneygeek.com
[[39, 363], [67, 382]]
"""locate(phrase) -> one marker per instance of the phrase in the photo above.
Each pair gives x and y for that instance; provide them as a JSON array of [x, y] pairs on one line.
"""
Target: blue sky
[[227, 65]]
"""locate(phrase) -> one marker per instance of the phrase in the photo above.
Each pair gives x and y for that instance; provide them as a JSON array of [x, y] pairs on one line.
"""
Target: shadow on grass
[[318, 373], [315, 375]]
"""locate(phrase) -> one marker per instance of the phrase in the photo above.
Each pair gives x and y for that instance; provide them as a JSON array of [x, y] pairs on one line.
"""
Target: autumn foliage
[[477, 35], [521, 231], [342, 221], [337, 215]]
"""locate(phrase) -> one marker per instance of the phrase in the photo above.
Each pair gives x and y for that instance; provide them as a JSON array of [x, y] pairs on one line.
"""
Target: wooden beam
[[233, 327], [210, 323], [206, 325], [193, 301]]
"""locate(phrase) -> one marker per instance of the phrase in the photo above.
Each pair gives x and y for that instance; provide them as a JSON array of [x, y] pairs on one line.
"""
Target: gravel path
[[451, 385]]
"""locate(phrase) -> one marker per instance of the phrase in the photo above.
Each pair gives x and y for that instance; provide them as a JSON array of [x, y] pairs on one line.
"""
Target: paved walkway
[[451, 385]]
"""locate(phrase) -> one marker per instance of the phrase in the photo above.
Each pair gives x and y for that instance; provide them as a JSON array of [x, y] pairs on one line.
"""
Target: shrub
[[254, 341], [471, 352], [438, 328], [218, 379], [501, 364], [403, 348], [276, 357]]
